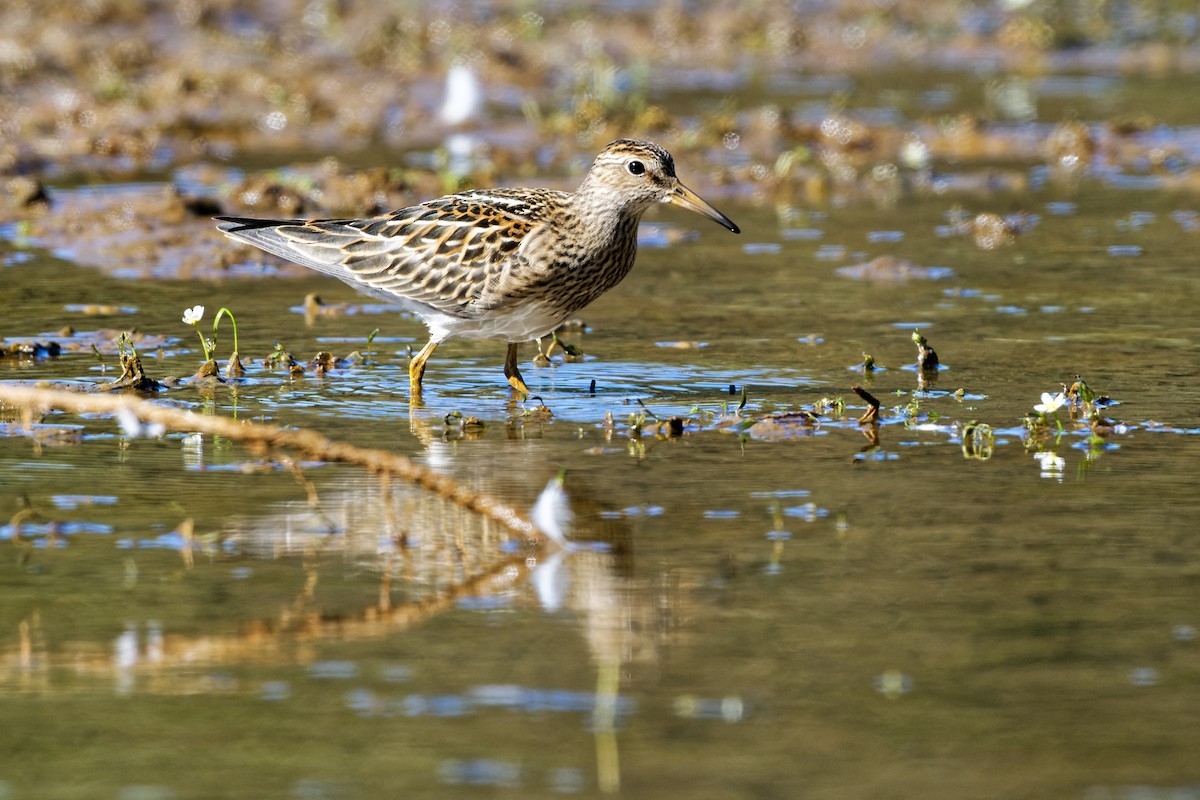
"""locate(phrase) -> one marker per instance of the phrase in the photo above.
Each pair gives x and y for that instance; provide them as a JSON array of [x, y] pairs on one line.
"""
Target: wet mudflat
[[988, 591]]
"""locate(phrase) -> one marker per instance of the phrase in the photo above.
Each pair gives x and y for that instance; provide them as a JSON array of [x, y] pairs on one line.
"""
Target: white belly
[[531, 321]]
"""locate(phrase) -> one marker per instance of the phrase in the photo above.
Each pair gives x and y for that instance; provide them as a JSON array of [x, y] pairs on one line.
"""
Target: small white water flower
[[1050, 403], [193, 315]]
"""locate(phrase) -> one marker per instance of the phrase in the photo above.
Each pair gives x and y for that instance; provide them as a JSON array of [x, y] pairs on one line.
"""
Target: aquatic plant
[[192, 316], [133, 376], [233, 368], [1049, 407], [927, 358], [279, 357]]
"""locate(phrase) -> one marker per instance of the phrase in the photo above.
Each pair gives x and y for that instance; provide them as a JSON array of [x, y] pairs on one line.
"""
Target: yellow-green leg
[[416, 367], [512, 373]]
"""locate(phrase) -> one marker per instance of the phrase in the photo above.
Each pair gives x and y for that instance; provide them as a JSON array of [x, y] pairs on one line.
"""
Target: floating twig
[[872, 412], [268, 437]]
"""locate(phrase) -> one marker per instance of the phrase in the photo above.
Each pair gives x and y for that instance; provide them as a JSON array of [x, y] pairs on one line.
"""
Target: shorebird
[[508, 264]]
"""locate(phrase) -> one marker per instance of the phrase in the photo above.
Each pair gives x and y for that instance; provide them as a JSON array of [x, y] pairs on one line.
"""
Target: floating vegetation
[[133, 376], [458, 425], [35, 351], [927, 358]]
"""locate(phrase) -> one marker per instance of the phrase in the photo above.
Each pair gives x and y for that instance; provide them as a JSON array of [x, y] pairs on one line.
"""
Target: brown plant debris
[[259, 436]]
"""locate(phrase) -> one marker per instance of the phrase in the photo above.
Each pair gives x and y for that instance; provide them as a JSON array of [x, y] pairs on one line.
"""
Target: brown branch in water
[[872, 412], [264, 640], [256, 434], [272, 640]]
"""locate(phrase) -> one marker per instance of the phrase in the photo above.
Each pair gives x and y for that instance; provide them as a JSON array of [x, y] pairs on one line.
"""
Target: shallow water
[[754, 611]]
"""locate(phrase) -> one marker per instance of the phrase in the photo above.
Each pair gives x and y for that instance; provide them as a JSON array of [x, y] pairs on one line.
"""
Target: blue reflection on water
[[40, 531], [332, 670], [73, 501], [480, 772]]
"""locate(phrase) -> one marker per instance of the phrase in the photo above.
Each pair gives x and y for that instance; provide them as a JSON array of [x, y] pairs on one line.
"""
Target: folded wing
[[444, 254]]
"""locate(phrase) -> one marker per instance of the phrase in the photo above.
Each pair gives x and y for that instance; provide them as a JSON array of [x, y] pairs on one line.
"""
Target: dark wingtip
[[236, 224]]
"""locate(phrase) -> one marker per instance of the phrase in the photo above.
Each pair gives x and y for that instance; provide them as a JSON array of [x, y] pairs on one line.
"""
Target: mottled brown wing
[[443, 254]]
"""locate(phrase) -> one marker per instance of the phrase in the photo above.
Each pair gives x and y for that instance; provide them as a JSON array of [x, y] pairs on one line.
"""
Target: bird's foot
[[518, 385]]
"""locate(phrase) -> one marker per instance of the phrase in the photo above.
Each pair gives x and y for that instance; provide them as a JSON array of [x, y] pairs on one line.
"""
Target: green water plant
[[1048, 408], [927, 359], [192, 316], [133, 376], [280, 357], [233, 368], [833, 405], [368, 352], [99, 358], [1080, 393]]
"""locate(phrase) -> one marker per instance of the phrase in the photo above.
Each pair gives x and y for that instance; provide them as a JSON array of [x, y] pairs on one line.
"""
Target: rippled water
[[767, 610]]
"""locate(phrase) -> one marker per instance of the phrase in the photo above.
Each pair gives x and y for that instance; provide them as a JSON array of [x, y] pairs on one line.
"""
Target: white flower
[[193, 315], [1050, 403]]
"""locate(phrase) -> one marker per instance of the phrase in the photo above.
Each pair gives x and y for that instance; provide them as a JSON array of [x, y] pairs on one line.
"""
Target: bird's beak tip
[[686, 198]]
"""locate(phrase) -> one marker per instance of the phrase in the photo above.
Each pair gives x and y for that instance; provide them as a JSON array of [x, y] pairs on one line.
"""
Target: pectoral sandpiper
[[510, 264]]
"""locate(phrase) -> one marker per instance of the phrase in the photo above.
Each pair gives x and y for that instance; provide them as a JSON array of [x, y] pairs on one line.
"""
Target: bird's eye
[[636, 167]]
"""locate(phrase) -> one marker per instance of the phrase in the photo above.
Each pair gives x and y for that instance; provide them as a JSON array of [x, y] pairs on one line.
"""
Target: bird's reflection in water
[[592, 574], [429, 555]]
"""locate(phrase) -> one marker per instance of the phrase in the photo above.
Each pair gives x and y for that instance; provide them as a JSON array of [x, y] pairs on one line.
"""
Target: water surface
[[826, 609]]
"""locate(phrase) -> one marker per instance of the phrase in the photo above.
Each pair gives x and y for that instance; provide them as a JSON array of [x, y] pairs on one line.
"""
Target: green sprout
[[224, 312], [1049, 407], [99, 357], [370, 339]]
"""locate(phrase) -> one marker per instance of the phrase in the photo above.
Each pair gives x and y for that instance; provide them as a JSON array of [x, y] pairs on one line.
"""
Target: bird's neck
[[605, 213]]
